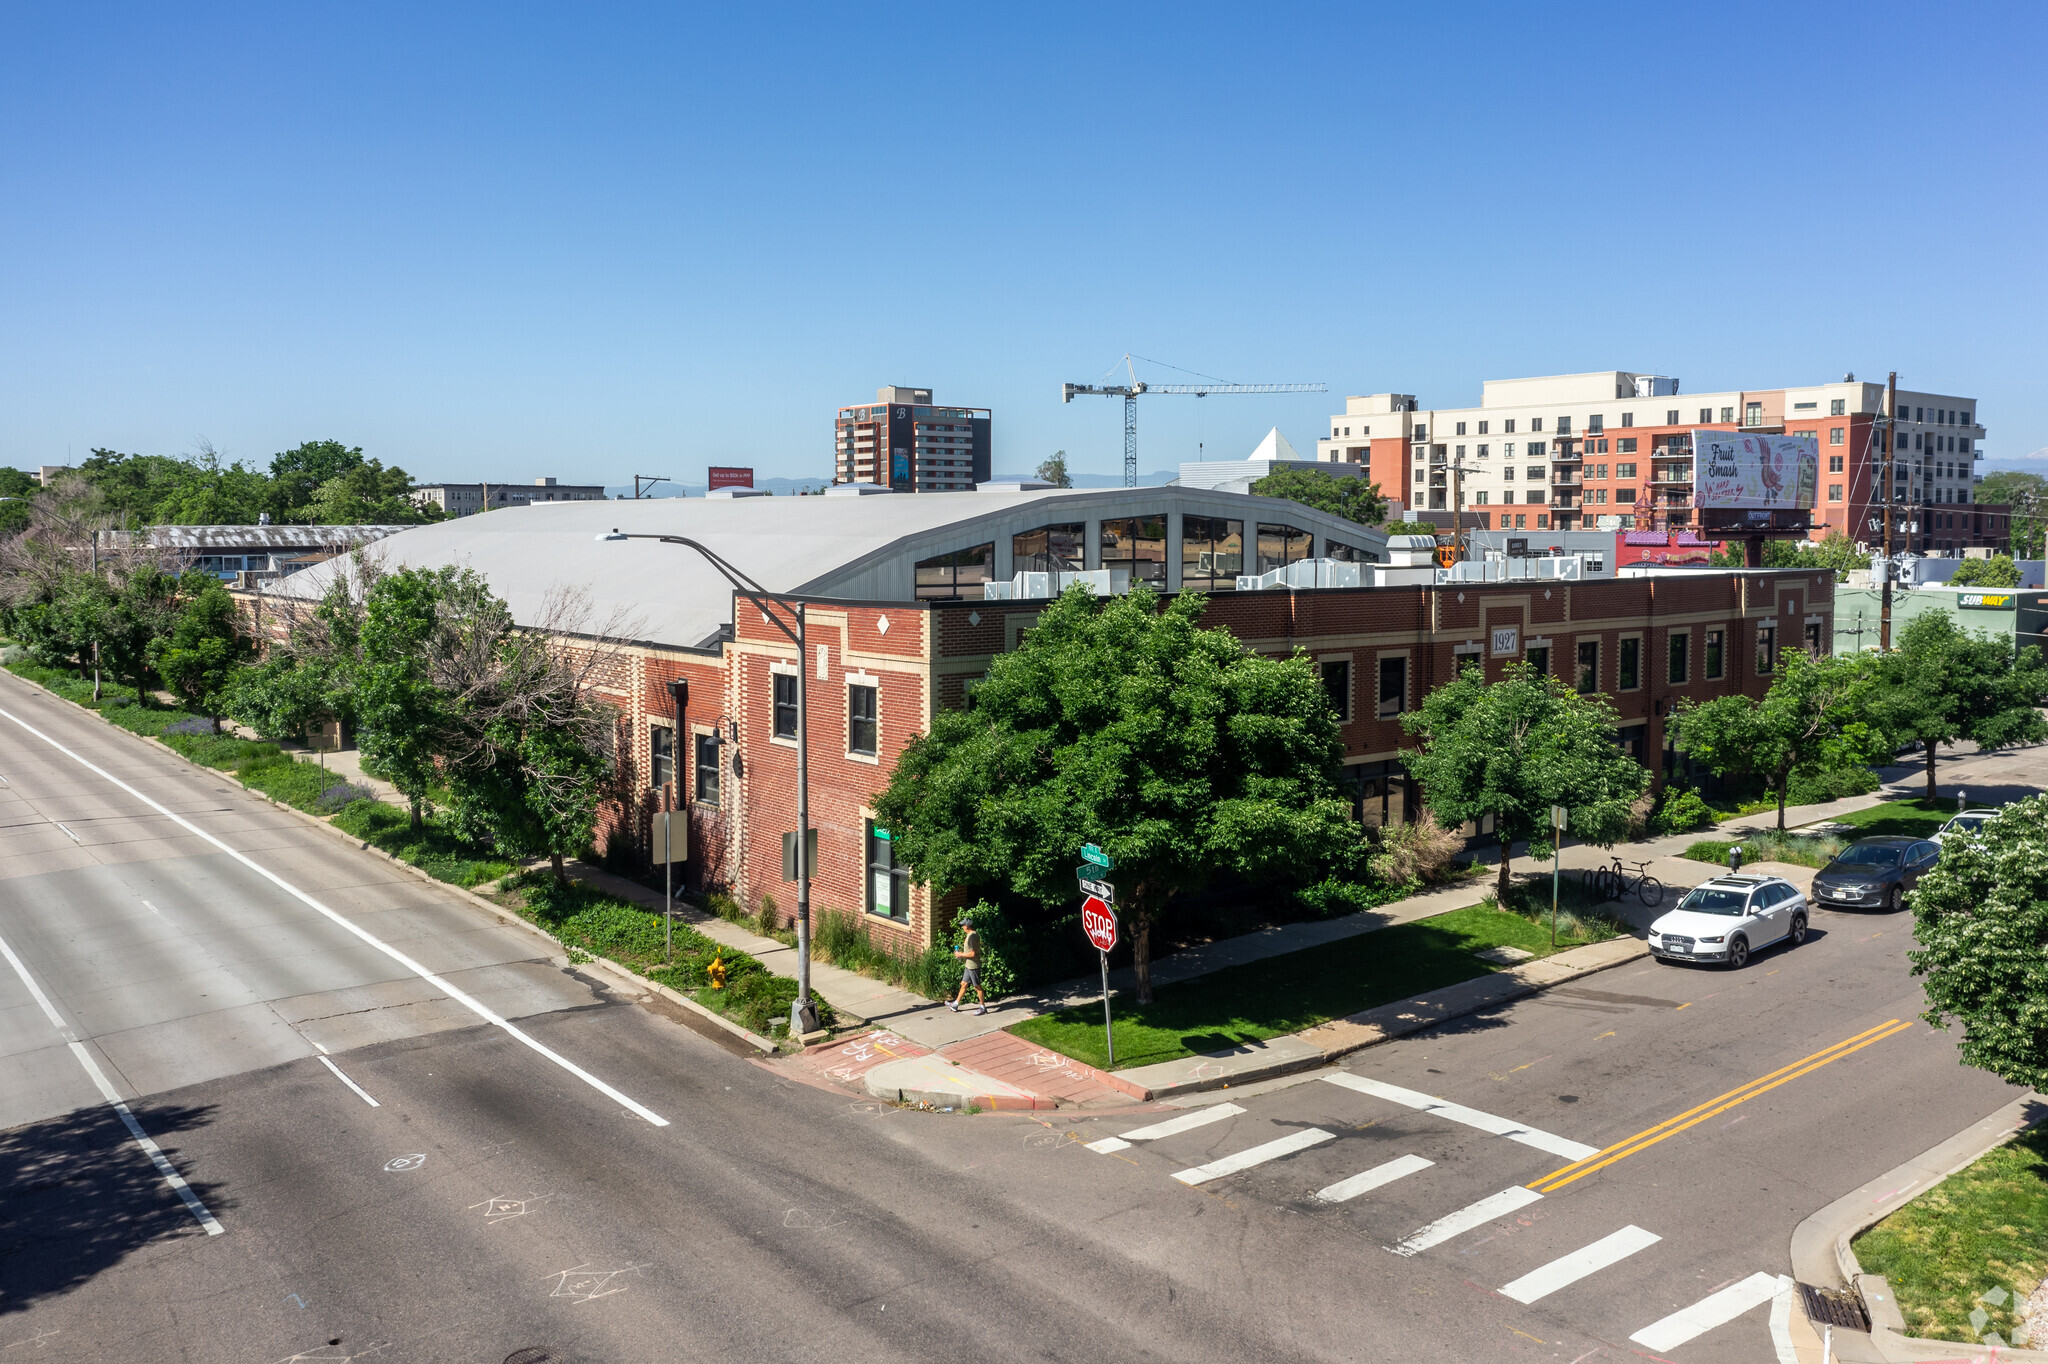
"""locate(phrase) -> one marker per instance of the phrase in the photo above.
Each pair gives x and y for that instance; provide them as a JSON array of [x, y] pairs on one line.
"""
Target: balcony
[[1672, 476]]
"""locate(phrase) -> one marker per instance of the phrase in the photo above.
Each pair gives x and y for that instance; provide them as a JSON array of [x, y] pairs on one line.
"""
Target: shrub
[[1832, 784], [1332, 897], [198, 724], [1414, 852], [332, 800], [1681, 811], [767, 921]]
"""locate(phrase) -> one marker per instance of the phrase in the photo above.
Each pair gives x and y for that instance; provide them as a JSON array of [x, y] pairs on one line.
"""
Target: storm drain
[[1839, 1307], [533, 1354]]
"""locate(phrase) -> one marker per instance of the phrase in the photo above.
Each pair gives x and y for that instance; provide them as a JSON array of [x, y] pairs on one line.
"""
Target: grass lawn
[[1893, 819], [1285, 994], [1981, 1229], [1900, 818]]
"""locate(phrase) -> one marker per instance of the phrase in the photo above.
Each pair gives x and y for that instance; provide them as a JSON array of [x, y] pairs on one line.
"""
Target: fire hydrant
[[716, 971]]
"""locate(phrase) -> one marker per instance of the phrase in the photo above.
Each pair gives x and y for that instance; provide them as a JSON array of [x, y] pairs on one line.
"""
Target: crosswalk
[[1503, 1210]]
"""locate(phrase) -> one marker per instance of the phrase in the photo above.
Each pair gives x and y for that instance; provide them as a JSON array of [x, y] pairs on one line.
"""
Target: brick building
[[888, 648]]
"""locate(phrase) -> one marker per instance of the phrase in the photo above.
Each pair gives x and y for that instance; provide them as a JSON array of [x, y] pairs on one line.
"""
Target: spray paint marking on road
[[473, 1005]]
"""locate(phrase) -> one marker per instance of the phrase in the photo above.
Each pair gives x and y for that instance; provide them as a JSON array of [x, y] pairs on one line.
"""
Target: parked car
[[1874, 873], [1966, 822], [1728, 918]]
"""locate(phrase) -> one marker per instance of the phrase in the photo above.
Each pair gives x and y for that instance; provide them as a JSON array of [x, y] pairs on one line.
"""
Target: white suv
[[1728, 918]]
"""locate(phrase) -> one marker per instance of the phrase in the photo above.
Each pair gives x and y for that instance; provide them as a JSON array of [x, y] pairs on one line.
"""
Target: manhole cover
[[533, 1354]]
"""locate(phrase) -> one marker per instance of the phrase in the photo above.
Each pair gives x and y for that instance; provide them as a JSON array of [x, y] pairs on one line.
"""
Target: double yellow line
[[1671, 1127]]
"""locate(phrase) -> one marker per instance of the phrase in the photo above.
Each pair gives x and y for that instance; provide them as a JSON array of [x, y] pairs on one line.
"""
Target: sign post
[[671, 845], [1098, 921], [1558, 819]]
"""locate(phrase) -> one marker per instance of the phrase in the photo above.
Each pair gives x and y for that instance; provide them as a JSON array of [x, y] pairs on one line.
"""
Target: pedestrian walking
[[969, 953]]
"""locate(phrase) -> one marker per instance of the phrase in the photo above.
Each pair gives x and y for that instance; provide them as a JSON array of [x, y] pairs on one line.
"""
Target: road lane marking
[[112, 1096], [1716, 1309], [361, 1093], [1781, 1322], [1257, 1155], [1650, 1136], [1344, 1190], [474, 1006], [68, 834], [1466, 1218], [1470, 1117], [1569, 1269]]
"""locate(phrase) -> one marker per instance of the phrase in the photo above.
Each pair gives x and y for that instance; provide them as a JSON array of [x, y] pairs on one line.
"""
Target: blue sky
[[588, 241]]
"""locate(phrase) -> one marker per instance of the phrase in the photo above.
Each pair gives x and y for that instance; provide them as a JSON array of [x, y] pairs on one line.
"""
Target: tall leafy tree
[[1182, 754], [2027, 495], [1817, 715], [403, 719], [1981, 921], [1354, 499], [296, 474], [17, 484], [1054, 471], [200, 654], [1834, 551], [1997, 571], [1514, 748], [1943, 683]]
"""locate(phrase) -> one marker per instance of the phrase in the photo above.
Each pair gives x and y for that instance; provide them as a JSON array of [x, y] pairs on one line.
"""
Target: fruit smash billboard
[[1732, 469]]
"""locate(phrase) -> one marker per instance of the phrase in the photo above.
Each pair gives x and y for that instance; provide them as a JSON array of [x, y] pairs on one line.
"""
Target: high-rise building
[[904, 442], [1614, 449]]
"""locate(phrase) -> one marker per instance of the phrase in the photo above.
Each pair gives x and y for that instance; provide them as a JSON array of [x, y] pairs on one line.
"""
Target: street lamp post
[[803, 1014]]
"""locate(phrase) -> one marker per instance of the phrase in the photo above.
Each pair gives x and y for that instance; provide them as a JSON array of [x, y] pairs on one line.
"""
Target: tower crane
[[1129, 393]]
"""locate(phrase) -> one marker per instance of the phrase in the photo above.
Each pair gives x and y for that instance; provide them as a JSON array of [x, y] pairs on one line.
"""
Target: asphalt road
[[508, 1190]]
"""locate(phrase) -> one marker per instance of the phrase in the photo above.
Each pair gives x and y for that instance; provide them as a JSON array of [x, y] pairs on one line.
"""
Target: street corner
[[932, 1081], [847, 1062]]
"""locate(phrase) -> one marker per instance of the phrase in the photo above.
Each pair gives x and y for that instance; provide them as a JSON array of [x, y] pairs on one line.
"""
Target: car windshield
[[1969, 824], [1867, 857], [1707, 900]]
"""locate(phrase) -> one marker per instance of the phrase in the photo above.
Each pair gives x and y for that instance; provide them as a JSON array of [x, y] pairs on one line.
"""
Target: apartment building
[[465, 499], [904, 442], [1613, 450]]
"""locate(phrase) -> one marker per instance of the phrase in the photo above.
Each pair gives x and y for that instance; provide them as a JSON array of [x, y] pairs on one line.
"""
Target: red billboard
[[730, 478]]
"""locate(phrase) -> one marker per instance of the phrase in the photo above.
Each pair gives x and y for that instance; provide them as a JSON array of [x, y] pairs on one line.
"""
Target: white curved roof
[[855, 548]]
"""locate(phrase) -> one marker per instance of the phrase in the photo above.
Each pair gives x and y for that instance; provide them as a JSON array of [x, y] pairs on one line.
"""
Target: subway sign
[[1987, 601]]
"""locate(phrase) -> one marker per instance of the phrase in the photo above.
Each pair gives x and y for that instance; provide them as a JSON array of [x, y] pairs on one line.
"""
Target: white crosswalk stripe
[[1464, 1219], [1716, 1309], [1257, 1155], [1172, 1127], [1470, 1117], [1569, 1269], [1345, 1190]]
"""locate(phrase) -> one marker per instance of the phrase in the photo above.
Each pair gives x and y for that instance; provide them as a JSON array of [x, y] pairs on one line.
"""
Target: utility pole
[[1884, 607], [646, 481]]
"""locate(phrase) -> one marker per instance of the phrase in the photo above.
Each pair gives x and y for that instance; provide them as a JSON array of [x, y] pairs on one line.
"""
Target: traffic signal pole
[[1884, 607]]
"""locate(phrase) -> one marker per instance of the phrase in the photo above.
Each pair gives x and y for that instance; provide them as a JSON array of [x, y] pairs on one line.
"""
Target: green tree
[[1514, 748], [2027, 495], [1997, 571], [1816, 716], [1833, 551], [403, 720], [1054, 471], [1177, 750], [368, 494], [1980, 918], [14, 516], [1354, 499], [204, 648], [1943, 683], [296, 474]]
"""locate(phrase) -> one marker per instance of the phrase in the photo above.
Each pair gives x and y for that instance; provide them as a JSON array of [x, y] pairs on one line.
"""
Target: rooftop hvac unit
[[1028, 586]]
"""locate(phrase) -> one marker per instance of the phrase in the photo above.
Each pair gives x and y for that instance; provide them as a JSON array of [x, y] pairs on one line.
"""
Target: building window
[[1280, 546], [1595, 424], [1211, 553], [888, 884], [863, 724], [1625, 446], [1624, 494], [707, 768], [785, 705], [1752, 414], [1542, 521], [1631, 665], [1834, 492], [1680, 671], [1479, 498], [661, 751], [1049, 549], [1137, 543], [1482, 431], [1461, 428], [1539, 660], [1766, 650], [1834, 464], [1813, 639], [1508, 427], [1393, 687], [1714, 638], [1727, 414], [1834, 435], [958, 576], [1536, 424], [1628, 419], [1589, 666], [1625, 471], [1337, 686], [1671, 416], [1838, 407]]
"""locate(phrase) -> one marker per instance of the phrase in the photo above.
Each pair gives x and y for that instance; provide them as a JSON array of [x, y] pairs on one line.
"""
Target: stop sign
[[1098, 921]]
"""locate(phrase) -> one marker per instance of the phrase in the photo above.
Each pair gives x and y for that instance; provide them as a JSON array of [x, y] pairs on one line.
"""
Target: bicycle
[[1614, 883]]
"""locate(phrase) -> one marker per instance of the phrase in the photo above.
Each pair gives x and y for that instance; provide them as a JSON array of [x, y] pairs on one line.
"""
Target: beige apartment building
[[466, 499], [1613, 450]]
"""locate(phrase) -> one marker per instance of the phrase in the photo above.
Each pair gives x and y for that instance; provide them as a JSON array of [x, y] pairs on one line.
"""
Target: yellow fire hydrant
[[716, 971]]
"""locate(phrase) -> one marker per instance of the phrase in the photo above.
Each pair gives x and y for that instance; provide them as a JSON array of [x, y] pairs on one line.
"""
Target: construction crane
[[1129, 393]]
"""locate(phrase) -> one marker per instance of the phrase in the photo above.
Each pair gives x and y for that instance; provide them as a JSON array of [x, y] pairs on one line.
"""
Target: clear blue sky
[[587, 242]]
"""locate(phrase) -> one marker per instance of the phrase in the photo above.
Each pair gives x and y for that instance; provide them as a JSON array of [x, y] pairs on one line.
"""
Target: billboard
[[730, 478], [1733, 469]]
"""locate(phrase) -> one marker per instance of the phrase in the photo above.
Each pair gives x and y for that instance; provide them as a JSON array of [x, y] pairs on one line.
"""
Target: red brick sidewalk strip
[[1007, 1057], [848, 1061]]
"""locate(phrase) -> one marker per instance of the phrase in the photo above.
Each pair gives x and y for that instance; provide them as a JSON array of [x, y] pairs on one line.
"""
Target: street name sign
[[1098, 921], [1091, 853], [1091, 885]]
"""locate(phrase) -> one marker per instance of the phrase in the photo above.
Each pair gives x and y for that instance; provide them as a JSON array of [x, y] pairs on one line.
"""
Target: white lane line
[[1464, 1219], [387, 949], [1344, 1190], [1471, 1117], [112, 1096], [361, 1093], [1781, 1323], [1569, 1269], [1201, 1117], [1716, 1309], [68, 834], [1257, 1155]]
